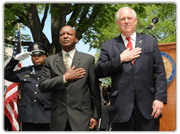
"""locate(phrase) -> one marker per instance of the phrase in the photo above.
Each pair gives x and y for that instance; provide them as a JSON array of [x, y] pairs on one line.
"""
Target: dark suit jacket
[[76, 101], [147, 76], [34, 106]]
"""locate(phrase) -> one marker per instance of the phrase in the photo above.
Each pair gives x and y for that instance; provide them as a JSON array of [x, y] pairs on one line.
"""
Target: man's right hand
[[129, 55], [73, 74]]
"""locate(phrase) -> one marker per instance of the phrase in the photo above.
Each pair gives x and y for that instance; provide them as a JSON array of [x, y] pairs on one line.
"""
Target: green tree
[[112, 31], [85, 18], [164, 30]]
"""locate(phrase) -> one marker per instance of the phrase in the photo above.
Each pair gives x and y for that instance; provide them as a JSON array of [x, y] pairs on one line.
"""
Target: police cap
[[37, 48]]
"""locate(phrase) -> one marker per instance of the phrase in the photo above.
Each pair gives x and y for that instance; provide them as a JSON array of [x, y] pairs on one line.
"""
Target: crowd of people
[[62, 92]]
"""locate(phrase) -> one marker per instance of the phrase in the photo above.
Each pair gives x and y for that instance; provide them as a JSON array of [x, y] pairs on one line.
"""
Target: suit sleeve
[[105, 65], [160, 75], [49, 83], [94, 91], [9, 74]]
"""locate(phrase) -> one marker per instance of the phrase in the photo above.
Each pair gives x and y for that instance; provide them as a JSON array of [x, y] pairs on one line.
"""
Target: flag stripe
[[11, 115], [11, 93]]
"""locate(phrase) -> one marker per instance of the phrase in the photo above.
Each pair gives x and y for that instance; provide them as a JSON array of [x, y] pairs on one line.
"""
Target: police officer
[[33, 107]]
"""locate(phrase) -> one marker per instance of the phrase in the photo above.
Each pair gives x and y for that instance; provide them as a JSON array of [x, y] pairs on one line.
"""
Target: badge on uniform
[[27, 76], [33, 70]]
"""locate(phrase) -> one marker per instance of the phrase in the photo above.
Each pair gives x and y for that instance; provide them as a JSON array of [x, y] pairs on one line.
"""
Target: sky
[[80, 46]]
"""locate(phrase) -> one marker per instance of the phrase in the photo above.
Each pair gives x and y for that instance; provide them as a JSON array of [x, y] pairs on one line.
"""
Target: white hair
[[117, 14]]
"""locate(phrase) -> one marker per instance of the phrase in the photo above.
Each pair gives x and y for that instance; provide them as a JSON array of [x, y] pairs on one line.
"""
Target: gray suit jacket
[[76, 101]]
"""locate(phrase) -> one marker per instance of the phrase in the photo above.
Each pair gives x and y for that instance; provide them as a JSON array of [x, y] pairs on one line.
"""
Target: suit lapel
[[139, 42], [76, 59], [120, 43], [60, 63]]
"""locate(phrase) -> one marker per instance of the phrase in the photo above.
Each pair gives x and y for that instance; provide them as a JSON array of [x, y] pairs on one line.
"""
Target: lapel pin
[[140, 41]]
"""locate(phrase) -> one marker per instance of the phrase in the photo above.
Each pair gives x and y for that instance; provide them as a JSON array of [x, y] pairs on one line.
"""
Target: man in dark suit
[[34, 107], [139, 87], [70, 76]]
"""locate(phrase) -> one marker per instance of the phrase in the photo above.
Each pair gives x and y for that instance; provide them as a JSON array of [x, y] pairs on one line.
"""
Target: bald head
[[121, 9], [126, 21]]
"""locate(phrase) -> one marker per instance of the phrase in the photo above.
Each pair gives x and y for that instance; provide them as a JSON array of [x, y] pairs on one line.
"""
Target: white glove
[[23, 56]]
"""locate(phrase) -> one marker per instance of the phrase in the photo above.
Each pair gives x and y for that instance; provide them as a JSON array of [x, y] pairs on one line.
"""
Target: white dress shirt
[[132, 38]]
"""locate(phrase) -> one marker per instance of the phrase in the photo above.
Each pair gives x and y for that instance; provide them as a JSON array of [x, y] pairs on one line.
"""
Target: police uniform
[[33, 107]]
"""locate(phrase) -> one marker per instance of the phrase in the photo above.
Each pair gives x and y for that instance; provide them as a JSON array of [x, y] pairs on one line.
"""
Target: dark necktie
[[129, 45]]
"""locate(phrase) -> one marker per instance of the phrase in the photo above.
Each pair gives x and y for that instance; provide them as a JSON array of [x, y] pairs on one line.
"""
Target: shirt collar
[[71, 53], [132, 37]]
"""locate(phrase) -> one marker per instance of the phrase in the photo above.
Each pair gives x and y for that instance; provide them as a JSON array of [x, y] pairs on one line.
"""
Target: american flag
[[10, 99]]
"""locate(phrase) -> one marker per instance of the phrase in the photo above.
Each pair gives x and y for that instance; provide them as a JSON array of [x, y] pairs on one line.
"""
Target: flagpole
[[20, 123], [20, 35], [20, 51]]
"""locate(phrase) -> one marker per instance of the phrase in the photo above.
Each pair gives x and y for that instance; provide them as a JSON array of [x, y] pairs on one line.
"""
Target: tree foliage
[[95, 23], [87, 19], [164, 30]]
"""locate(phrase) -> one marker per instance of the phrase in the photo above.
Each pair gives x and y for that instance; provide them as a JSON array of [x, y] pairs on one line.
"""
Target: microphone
[[154, 21]]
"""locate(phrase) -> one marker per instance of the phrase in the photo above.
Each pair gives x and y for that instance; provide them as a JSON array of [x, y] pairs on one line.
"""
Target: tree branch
[[94, 13], [34, 22], [76, 11], [83, 18], [23, 43], [45, 15], [87, 21]]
